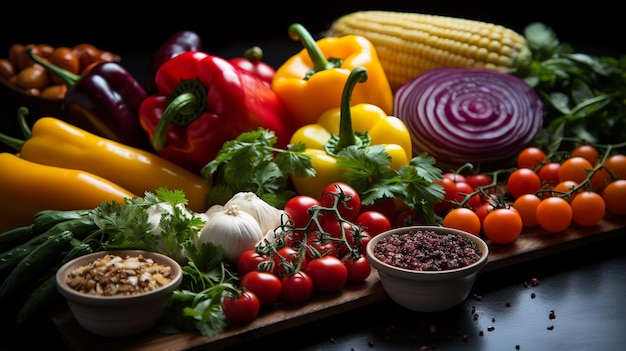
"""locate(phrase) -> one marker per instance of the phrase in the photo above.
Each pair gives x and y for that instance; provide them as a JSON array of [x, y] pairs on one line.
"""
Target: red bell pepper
[[205, 101]]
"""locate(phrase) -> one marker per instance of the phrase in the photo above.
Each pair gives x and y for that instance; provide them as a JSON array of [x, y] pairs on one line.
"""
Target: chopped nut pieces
[[113, 275]]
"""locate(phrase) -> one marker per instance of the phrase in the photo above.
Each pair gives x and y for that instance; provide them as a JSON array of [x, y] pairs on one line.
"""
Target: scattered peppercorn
[[508, 303], [532, 296], [551, 327], [552, 315], [491, 329]]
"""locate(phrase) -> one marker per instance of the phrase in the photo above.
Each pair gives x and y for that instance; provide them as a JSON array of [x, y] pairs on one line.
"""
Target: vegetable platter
[[532, 244]]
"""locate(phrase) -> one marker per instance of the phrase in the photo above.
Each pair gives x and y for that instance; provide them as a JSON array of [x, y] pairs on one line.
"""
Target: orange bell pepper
[[311, 82]]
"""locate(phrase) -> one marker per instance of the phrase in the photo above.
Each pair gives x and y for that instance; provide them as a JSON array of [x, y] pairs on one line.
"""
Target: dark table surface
[[568, 301]]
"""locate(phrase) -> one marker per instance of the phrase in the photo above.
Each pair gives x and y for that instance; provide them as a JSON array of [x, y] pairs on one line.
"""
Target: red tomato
[[386, 206], [297, 288], [478, 179], [248, 261], [328, 273], [298, 209], [523, 181], [243, 308], [454, 177], [462, 190], [374, 222], [286, 260], [358, 268], [350, 208], [317, 247], [549, 173], [265, 285], [483, 211], [449, 188], [349, 230]]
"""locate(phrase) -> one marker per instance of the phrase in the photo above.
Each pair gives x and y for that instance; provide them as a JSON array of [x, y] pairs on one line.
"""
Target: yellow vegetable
[[410, 43]]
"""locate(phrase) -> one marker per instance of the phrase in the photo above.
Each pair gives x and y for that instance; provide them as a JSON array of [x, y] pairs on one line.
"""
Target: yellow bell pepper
[[360, 125], [311, 82]]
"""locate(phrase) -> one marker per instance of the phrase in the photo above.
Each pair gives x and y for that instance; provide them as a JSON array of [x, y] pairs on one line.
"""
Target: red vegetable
[[469, 115]]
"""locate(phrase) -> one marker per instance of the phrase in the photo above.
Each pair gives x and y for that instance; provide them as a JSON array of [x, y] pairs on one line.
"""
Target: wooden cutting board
[[532, 244]]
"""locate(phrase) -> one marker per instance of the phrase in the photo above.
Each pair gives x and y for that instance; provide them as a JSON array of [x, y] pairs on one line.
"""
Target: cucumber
[[46, 219], [16, 236]]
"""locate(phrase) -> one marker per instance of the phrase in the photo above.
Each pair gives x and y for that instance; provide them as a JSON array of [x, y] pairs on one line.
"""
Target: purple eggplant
[[177, 43]]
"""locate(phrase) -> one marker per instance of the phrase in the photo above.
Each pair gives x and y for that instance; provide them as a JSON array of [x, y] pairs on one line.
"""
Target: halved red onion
[[476, 115]]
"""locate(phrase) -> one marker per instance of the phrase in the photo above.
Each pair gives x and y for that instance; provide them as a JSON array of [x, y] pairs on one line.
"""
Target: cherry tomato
[[462, 190], [329, 274], [287, 256], [617, 165], [549, 173], [478, 179], [588, 208], [523, 181], [483, 210], [502, 225], [242, 308], [298, 209], [386, 206], [265, 285], [317, 247], [374, 222], [449, 188], [614, 195], [586, 151], [65, 58], [350, 208], [358, 268], [575, 168], [526, 205], [566, 188], [249, 261], [349, 231], [463, 219], [454, 177], [297, 288], [531, 157], [554, 214]]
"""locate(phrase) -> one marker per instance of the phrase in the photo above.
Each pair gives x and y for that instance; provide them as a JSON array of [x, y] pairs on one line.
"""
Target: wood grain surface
[[532, 244]]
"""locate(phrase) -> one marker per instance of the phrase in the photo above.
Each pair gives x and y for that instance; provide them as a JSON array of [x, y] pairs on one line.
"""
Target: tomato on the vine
[[374, 222], [298, 209], [531, 157], [349, 209], [554, 214], [549, 173], [328, 273], [614, 195], [478, 179], [447, 203], [575, 168], [454, 177], [265, 285], [588, 208], [463, 189], [526, 205], [462, 218], [523, 181], [241, 308], [317, 247], [297, 288], [249, 261], [617, 165], [502, 225], [287, 255], [586, 151], [358, 268]]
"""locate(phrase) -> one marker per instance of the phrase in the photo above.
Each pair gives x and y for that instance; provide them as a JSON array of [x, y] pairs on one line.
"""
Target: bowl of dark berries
[[427, 268]]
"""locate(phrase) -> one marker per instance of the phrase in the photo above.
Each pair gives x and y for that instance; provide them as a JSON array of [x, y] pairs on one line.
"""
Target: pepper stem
[[186, 104], [347, 136], [320, 63], [15, 143], [68, 78]]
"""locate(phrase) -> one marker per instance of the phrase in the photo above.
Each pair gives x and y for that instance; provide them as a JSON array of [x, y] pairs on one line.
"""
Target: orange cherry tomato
[[586, 151], [526, 205], [588, 208], [575, 168], [554, 214], [502, 225], [614, 196], [462, 218]]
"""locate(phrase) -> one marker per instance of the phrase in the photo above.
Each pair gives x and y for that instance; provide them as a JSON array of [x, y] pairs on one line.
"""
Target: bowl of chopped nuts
[[427, 268], [118, 293]]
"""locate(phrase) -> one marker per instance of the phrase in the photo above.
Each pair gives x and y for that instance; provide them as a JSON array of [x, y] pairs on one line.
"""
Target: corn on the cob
[[410, 43]]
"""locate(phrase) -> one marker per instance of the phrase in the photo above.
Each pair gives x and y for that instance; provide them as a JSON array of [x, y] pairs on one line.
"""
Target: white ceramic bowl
[[118, 315], [427, 291]]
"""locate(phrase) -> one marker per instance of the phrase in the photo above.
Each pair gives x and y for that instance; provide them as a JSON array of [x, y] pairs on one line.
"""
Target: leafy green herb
[[584, 95], [369, 172], [252, 163]]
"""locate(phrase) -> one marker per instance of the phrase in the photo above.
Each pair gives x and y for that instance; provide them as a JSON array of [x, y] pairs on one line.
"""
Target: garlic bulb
[[267, 215], [233, 229]]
